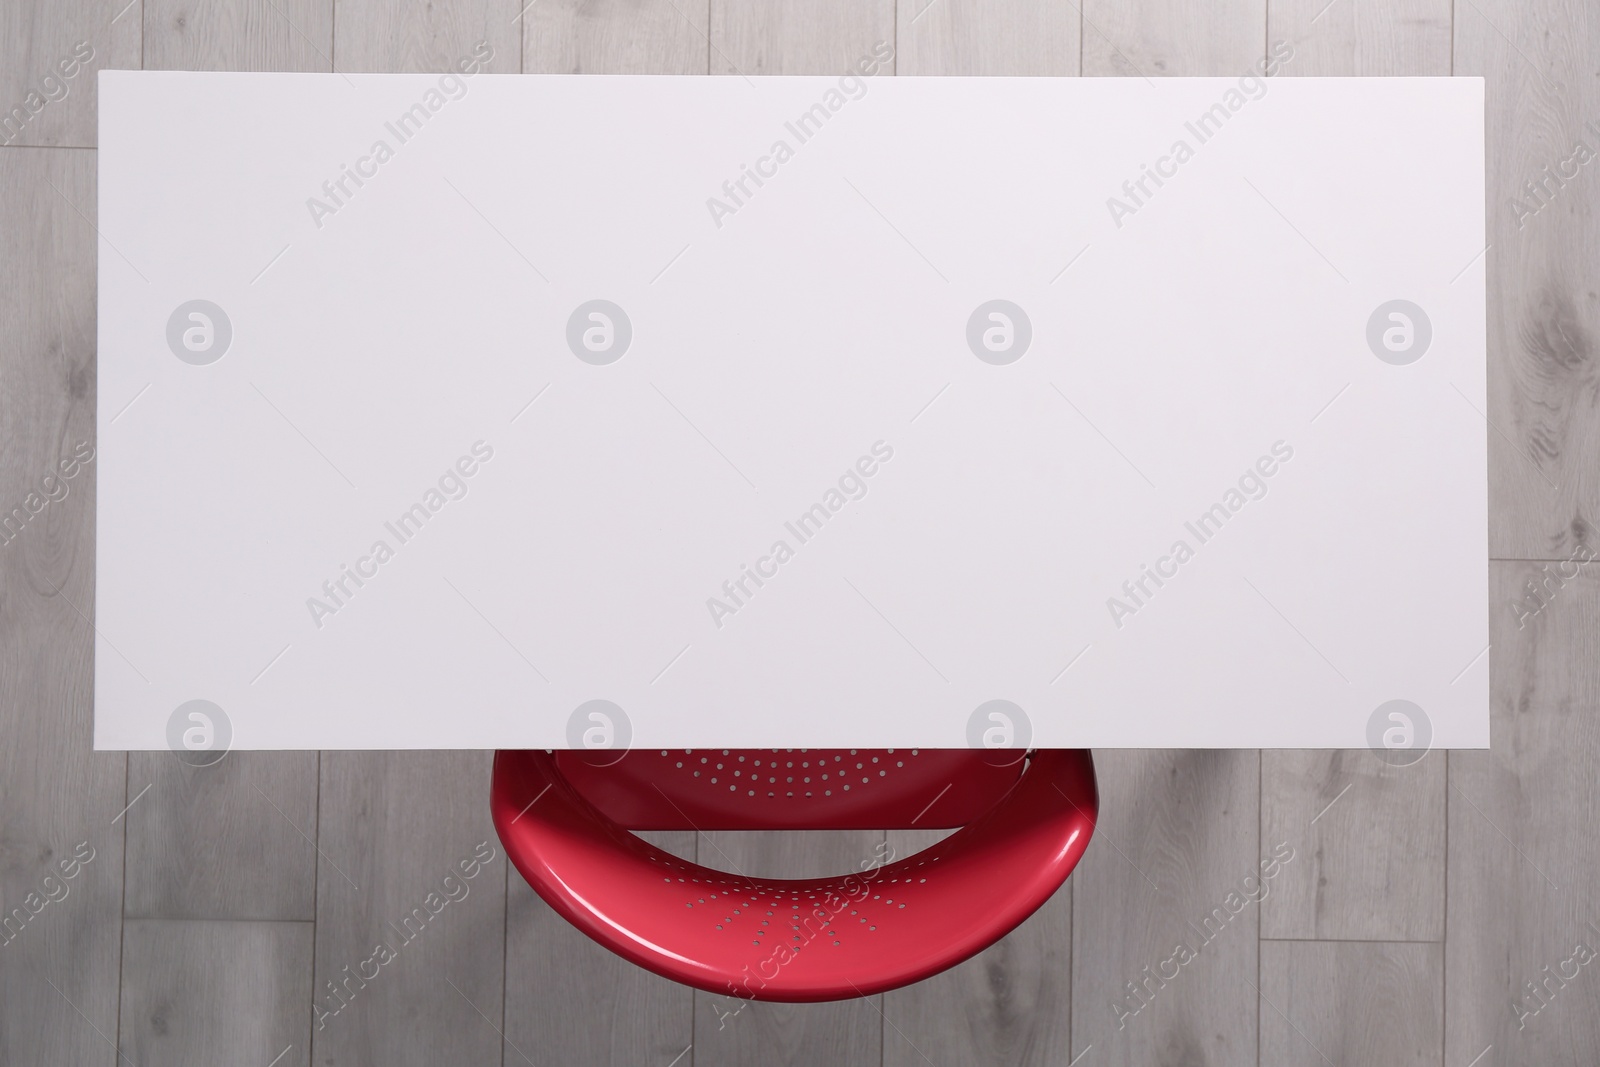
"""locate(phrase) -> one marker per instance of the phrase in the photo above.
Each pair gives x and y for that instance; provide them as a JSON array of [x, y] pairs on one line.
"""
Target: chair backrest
[[792, 789]]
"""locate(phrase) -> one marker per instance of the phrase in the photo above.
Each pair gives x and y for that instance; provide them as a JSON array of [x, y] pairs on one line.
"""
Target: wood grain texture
[[570, 1001], [846, 1033], [1383, 836], [950, 37], [410, 946], [377, 35], [48, 59], [1371, 832], [230, 841], [1012, 1003], [1179, 831], [1352, 1003], [412, 823], [1009, 1005], [1168, 866], [615, 37], [235, 840], [798, 36], [59, 801], [567, 999], [1151, 38], [199, 994], [1538, 59], [238, 35], [1524, 858], [754, 37], [1363, 38]]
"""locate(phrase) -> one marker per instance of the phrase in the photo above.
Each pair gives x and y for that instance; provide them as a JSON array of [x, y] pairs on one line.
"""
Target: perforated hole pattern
[[767, 912], [800, 774]]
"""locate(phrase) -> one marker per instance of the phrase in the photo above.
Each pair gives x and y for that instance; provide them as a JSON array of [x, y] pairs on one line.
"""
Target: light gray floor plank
[[1009, 1005], [1539, 58], [1012, 1003], [1524, 857], [1151, 38], [1373, 866], [1207, 851], [411, 886], [570, 1001], [754, 37], [235, 840], [1363, 38], [1179, 830], [1351, 1003], [846, 1033], [60, 803], [615, 37], [950, 37], [238, 34], [378, 35], [216, 994], [49, 56], [1373, 863], [412, 822], [799, 36], [1174, 861], [567, 999]]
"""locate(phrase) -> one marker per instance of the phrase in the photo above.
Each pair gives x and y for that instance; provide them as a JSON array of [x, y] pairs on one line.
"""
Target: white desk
[[397, 487]]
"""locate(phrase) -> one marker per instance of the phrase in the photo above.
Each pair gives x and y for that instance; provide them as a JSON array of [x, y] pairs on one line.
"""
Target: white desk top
[[952, 403]]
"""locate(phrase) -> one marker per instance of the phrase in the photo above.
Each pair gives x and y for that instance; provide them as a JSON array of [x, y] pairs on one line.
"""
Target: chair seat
[[860, 933]]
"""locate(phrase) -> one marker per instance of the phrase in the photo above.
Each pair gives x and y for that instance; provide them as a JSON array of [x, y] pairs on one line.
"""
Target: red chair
[[564, 818]]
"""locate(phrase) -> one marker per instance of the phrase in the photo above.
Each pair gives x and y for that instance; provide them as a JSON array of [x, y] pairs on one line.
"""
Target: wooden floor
[[1443, 914]]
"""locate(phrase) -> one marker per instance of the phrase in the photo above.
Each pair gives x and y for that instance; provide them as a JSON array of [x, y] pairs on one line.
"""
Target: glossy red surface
[[860, 933], [792, 789]]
